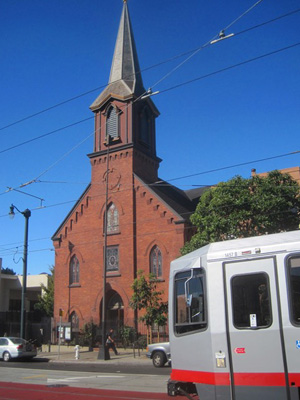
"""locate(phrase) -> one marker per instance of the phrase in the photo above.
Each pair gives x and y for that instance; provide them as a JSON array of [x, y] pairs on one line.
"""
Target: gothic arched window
[[74, 270], [74, 319], [112, 123], [112, 219], [156, 262]]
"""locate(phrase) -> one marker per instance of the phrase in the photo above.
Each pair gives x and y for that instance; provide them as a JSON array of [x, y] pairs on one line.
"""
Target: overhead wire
[[159, 184], [205, 45], [123, 238], [46, 134], [7, 252], [35, 180], [170, 59], [166, 90], [230, 67], [172, 88]]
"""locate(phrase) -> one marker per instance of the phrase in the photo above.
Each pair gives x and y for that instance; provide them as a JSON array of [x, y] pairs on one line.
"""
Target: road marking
[[84, 377], [34, 376]]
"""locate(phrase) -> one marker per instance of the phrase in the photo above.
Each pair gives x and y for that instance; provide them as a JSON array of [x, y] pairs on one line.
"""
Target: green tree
[[147, 298], [46, 300], [7, 271], [246, 207]]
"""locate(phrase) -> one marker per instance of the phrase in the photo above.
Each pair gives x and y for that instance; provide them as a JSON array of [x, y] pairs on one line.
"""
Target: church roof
[[173, 197], [55, 235], [195, 194], [125, 78]]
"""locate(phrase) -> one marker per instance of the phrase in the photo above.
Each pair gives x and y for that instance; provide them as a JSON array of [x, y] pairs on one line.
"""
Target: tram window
[[294, 288], [251, 301], [190, 311]]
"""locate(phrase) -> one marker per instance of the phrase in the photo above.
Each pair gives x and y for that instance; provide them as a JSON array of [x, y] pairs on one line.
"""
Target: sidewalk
[[67, 354]]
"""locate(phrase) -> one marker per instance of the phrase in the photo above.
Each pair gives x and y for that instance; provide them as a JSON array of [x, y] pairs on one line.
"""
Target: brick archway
[[115, 310]]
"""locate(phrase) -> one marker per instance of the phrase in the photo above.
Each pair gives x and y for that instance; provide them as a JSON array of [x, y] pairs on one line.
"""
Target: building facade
[[127, 211], [36, 327]]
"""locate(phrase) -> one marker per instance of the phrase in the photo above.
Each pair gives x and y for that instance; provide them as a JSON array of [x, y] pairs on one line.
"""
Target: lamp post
[[103, 351], [26, 213]]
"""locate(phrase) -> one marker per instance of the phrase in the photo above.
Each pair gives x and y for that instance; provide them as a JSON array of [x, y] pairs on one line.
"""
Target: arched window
[[112, 219], [156, 262], [74, 319], [74, 270], [112, 124]]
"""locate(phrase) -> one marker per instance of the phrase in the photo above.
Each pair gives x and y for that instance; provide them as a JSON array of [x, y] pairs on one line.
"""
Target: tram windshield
[[190, 314]]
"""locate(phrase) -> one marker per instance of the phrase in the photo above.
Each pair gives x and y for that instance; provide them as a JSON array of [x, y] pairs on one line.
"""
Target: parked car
[[159, 353], [13, 347]]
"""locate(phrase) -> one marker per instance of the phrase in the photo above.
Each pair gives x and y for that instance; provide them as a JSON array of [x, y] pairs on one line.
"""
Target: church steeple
[[125, 79], [122, 119]]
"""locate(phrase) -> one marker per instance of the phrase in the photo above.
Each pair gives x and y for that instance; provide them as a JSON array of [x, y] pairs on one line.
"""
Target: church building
[[127, 211]]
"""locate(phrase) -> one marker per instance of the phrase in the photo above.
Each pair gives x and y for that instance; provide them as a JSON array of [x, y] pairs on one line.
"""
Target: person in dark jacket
[[110, 343]]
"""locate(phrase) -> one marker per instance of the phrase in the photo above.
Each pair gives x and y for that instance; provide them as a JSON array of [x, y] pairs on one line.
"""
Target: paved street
[[126, 362], [37, 392], [53, 376]]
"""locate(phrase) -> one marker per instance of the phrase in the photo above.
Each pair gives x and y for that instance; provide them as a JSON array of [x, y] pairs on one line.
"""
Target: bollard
[[77, 352], [49, 347]]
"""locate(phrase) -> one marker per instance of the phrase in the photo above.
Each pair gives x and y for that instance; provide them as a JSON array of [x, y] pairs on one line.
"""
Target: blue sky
[[53, 50]]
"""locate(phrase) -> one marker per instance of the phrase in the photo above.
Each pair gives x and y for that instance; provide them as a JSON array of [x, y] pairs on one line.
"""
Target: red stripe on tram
[[240, 379], [208, 378]]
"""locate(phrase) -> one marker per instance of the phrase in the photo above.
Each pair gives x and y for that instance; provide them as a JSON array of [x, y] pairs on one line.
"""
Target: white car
[[159, 353], [14, 347]]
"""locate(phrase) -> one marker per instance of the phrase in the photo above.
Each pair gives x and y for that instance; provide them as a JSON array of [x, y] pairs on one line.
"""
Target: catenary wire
[[15, 250], [126, 189], [204, 45], [141, 71], [66, 154], [178, 178], [197, 173], [231, 67], [46, 134], [165, 90], [199, 78], [123, 238], [93, 132]]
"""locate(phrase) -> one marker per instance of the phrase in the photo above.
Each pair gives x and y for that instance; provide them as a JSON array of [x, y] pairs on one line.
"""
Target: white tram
[[234, 320]]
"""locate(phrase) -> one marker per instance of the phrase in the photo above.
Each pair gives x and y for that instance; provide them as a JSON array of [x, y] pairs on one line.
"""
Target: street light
[[103, 350], [26, 213]]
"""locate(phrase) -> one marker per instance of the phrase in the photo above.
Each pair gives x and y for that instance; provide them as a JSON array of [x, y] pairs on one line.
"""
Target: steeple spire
[[125, 78]]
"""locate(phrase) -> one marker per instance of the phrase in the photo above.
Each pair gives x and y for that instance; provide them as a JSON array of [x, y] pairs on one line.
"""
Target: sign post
[[61, 311]]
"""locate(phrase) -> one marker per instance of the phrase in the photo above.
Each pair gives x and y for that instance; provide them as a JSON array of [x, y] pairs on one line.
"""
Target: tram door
[[257, 359]]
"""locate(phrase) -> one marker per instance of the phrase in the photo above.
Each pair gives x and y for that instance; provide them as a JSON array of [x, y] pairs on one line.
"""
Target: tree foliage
[[46, 300], [147, 298], [7, 271], [246, 207]]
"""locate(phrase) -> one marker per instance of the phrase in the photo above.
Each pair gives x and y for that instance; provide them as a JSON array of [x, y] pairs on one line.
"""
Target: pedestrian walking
[[110, 343]]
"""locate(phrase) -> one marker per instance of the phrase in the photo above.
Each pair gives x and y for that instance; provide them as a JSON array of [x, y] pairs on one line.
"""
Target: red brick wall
[[144, 222]]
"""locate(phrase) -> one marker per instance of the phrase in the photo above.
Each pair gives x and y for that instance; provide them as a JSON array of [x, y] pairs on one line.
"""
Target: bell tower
[[123, 120]]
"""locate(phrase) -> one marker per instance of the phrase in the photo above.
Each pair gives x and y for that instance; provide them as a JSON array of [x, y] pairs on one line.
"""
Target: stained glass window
[[74, 322], [74, 270], [156, 262], [112, 254], [112, 219]]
